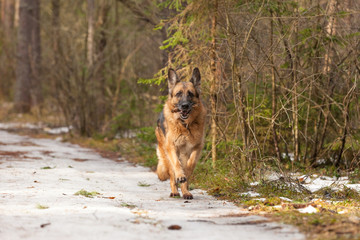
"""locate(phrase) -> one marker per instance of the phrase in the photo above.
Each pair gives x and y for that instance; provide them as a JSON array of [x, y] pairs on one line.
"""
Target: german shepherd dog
[[180, 132]]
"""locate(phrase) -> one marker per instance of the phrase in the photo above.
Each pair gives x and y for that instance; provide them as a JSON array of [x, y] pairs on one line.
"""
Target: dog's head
[[184, 96]]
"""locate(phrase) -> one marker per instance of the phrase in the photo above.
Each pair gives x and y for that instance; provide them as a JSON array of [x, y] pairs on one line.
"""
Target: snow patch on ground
[[250, 194], [285, 199], [254, 183], [54, 131], [314, 182], [19, 125], [59, 130], [308, 209], [318, 183]]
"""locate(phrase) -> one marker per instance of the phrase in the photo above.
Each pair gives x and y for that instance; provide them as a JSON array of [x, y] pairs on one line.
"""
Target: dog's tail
[[162, 168]]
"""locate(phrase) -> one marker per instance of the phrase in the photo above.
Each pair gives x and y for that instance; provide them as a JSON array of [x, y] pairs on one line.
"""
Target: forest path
[[39, 179]]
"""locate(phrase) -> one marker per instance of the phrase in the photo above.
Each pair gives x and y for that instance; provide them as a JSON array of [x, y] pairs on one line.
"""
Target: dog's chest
[[183, 140], [184, 147]]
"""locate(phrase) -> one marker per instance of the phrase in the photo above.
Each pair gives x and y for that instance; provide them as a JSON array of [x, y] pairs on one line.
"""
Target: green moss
[[39, 206], [281, 188], [85, 193], [143, 184], [345, 193], [273, 201], [47, 167], [127, 205]]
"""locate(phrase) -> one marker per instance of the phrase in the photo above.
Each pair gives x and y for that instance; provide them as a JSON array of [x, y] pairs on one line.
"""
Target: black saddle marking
[[160, 122]]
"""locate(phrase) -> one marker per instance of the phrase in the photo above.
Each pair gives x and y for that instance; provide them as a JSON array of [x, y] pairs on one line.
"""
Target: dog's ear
[[173, 79], [195, 79]]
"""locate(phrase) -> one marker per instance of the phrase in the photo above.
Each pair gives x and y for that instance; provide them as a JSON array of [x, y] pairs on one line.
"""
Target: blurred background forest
[[280, 78]]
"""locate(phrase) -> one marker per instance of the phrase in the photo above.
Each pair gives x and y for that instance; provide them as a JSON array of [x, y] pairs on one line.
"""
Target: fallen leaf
[[174, 227], [44, 225], [136, 221]]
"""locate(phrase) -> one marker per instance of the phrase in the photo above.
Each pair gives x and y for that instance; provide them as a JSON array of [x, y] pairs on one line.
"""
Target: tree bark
[[295, 105], [23, 68], [2, 11], [330, 31], [292, 59], [28, 81], [16, 14], [273, 92], [7, 17], [55, 6], [36, 84], [213, 83], [91, 32]]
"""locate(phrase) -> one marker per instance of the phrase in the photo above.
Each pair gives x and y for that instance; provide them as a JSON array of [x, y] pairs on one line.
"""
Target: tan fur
[[180, 148]]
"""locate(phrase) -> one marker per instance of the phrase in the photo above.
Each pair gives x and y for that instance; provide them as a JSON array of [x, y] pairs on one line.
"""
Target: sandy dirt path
[[39, 177]]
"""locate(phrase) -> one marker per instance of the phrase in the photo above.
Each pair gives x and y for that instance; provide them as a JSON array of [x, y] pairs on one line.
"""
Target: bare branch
[[139, 12]]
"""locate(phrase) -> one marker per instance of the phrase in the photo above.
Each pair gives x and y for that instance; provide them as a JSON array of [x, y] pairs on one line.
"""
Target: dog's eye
[[190, 94], [178, 94]]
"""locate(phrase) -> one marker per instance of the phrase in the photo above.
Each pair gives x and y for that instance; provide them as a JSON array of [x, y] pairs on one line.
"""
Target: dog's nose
[[185, 106]]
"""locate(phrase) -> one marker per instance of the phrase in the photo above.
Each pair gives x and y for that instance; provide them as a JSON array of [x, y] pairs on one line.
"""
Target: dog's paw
[[174, 195], [180, 179], [188, 196]]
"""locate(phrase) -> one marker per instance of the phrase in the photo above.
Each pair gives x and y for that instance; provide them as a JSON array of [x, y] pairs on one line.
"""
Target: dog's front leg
[[190, 165], [193, 159], [175, 163]]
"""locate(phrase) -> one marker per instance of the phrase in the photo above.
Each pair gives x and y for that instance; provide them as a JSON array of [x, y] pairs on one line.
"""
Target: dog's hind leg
[[162, 169]]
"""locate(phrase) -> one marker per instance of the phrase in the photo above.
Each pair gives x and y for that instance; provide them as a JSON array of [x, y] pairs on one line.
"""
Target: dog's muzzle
[[185, 110]]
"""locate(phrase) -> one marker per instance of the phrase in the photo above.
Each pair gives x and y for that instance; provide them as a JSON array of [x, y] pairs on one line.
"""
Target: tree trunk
[[292, 59], [55, 6], [91, 32], [273, 92], [295, 105], [2, 11], [16, 14], [328, 61], [344, 130], [23, 68], [28, 84], [102, 102], [330, 31], [7, 17], [213, 83], [35, 59]]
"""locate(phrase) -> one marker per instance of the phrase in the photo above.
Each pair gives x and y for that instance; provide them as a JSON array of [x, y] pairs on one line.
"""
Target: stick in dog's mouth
[[185, 114], [175, 110]]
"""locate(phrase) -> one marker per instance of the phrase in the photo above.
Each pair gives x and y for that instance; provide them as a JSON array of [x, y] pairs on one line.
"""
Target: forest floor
[[42, 169], [51, 189]]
